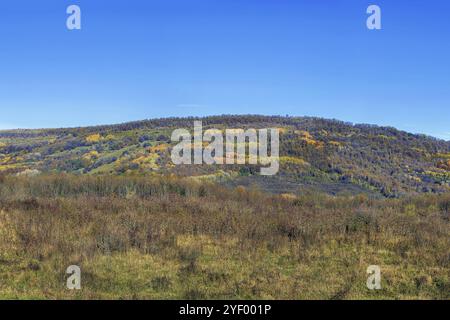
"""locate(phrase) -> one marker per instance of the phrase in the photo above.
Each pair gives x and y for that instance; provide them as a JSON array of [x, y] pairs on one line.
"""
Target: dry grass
[[152, 238]]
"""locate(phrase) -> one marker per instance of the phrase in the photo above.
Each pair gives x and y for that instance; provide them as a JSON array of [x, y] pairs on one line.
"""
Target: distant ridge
[[317, 154]]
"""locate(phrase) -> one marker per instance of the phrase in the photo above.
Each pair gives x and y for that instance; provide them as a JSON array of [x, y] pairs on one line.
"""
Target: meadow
[[179, 238]]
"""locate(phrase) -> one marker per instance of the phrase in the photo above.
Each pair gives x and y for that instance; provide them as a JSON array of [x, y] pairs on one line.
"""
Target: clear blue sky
[[138, 59]]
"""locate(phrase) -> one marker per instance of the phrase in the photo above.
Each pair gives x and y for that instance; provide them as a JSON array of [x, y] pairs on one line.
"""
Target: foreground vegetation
[[169, 238]]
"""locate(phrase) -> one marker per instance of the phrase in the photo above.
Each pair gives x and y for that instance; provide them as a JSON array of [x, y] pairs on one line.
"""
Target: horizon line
[[11, 128]]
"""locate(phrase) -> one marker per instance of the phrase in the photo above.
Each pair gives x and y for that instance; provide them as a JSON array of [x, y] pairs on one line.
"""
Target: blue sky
[[139, 59]]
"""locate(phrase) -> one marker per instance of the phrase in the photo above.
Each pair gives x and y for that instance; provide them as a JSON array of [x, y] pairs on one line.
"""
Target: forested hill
[[315, 155]]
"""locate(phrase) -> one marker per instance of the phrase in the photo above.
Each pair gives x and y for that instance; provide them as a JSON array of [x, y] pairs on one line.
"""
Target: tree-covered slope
[[315, 155]]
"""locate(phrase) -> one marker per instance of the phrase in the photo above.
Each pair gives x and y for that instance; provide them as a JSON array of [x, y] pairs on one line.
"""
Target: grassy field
[[170, 238]]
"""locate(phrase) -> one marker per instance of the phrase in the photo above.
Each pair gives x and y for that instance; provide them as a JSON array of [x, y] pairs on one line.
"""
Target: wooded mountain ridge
[[316, 155]]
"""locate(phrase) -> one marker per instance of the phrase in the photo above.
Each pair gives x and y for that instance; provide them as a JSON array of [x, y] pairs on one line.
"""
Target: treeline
[[231, 121]]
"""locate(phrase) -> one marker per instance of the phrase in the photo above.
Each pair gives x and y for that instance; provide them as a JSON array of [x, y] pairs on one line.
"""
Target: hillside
[[315, 155], [109, 200]]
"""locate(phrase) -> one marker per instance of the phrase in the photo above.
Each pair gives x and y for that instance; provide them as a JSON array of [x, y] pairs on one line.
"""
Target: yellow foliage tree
[[93, 138]]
